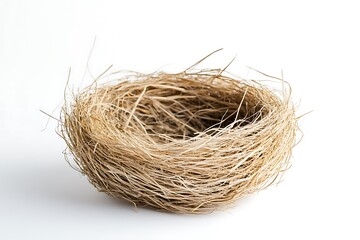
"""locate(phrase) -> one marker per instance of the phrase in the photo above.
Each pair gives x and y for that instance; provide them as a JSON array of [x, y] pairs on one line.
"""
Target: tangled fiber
[[189, 142]]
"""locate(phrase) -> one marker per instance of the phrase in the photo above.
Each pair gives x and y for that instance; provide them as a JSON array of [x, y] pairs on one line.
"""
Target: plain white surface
[[316, 43]]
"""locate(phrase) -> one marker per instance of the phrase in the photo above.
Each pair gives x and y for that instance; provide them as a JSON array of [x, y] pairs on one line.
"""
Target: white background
[[315, 43]]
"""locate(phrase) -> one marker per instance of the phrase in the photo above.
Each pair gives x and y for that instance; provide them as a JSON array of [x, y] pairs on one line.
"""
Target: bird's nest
[[186, 142]]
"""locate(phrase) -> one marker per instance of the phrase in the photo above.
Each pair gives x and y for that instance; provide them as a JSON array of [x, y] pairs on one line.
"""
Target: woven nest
[[186, 142]]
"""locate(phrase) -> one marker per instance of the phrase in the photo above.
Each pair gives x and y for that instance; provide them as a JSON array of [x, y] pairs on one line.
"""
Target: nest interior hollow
[[187, 142]]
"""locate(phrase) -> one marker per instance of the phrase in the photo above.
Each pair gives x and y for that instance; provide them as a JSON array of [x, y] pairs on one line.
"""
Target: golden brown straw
[[189, 142]]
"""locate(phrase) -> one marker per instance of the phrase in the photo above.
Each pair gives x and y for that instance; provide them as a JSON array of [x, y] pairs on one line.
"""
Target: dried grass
[[189, 142]]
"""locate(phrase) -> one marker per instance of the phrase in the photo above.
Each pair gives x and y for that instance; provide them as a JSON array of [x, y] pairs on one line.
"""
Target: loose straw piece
[[186, 142]]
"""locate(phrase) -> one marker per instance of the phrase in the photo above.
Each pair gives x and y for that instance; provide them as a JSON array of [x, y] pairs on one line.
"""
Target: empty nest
[[189, 142]]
